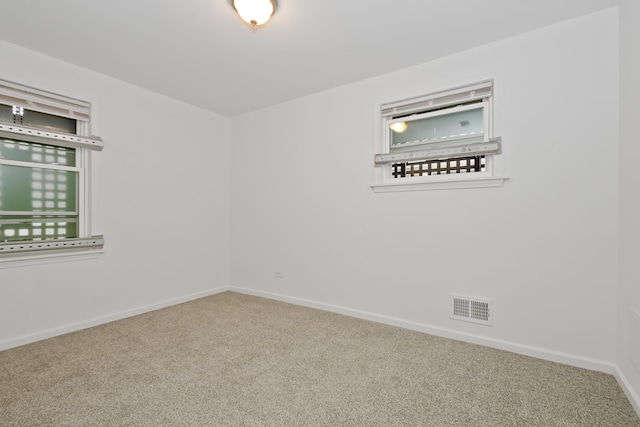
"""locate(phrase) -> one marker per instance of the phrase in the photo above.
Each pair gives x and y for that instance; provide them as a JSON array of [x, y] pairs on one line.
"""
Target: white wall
[[162, 206], [629, 294], [543, 247]]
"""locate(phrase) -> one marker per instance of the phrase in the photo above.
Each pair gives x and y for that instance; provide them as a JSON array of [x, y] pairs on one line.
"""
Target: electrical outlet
[[279, 275]]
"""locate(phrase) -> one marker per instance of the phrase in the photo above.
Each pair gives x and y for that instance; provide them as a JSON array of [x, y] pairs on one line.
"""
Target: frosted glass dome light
[[255, 12]]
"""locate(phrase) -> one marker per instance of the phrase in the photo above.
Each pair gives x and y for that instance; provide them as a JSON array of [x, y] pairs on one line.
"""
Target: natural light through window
[[440, 140], [45, 185]]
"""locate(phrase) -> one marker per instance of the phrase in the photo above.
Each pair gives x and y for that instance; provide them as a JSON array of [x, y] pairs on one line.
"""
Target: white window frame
[[431, 105], [86, 245]]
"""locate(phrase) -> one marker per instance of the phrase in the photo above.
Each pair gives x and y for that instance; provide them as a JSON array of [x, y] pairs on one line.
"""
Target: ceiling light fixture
[[256, 13]]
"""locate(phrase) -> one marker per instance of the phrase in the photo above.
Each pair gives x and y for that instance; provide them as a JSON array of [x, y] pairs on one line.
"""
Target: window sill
[[28, 260], [439, 184]]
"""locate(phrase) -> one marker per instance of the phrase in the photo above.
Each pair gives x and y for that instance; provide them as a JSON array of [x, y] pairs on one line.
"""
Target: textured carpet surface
[[238, 360]]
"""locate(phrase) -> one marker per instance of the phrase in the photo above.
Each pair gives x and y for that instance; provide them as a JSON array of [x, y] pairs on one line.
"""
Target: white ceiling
[[198, 51]]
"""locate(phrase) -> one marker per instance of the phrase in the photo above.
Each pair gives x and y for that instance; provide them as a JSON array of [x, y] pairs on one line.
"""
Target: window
[[45, 174], [441, 140]]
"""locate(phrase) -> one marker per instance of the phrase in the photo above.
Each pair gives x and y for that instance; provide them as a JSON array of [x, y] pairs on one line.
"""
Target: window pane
[[37, 189], [21, 228], [36, 153], [36, 119], [441, 128]]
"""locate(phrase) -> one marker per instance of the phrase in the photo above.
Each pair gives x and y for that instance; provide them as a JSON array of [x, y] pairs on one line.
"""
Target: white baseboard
[[539, 353], [554, 356], [50, 333], [633, 397]]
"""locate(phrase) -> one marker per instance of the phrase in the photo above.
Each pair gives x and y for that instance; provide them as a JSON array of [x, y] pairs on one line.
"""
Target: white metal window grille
[[44, 172]]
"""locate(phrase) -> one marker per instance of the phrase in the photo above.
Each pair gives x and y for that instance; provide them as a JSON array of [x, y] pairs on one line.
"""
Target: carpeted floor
[[237, 360]]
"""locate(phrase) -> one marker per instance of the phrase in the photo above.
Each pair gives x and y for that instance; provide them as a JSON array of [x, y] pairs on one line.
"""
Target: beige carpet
[[237, 360]]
